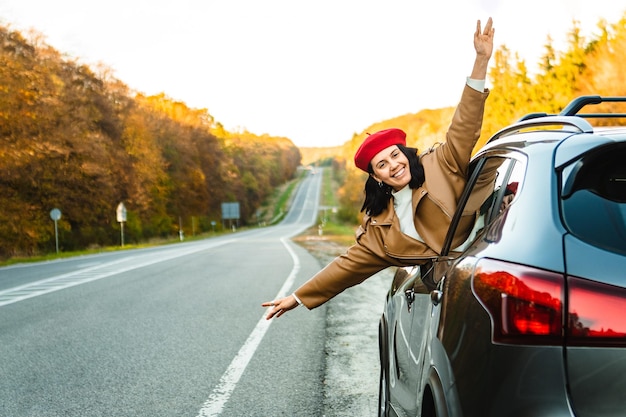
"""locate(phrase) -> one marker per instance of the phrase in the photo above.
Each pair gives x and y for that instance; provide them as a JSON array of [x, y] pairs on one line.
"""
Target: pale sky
[[313, 71]]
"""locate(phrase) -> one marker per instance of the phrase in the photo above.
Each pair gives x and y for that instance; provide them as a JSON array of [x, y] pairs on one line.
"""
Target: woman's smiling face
[[391, 166]]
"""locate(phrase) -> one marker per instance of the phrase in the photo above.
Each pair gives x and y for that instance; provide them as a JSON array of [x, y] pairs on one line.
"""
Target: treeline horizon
[[83, 143]]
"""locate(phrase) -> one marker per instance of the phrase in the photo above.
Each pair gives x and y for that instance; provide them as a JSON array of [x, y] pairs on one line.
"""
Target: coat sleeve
[[362, 260], [463, 132], [446, 166]]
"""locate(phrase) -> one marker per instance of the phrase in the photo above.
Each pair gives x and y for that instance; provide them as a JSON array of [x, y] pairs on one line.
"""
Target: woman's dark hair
[[377, 195]]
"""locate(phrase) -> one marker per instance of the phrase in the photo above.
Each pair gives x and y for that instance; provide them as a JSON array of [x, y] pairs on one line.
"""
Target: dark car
[[524, 312]]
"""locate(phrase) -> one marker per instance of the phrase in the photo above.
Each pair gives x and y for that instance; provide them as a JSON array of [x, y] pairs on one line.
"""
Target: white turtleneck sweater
[[402, 203]]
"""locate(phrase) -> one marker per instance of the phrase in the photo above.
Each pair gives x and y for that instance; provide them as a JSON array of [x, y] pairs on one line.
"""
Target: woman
[[409, 200]]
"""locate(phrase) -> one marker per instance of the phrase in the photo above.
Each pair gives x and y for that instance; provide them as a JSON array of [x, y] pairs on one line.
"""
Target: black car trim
[[458, 213]]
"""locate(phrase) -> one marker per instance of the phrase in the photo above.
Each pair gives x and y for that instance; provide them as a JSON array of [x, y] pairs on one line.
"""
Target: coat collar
[[388, 215]]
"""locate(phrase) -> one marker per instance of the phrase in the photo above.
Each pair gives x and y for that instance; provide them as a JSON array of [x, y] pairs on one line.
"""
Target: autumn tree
[[604, 66], [81, 142]]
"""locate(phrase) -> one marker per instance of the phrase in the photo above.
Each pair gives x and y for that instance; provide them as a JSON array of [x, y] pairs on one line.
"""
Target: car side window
[[593, 198], [491, 193], [506, 196]]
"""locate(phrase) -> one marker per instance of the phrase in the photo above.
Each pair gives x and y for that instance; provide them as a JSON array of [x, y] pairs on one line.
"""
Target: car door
[[417, 290], [492, 187], [409, 311], [415, 309], [419, 301]]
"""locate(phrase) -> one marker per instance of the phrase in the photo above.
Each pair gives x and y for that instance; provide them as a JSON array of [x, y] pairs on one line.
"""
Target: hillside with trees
[[83, 143]]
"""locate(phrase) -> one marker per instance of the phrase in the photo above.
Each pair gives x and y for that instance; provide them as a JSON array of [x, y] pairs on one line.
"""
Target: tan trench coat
[[379, 241]]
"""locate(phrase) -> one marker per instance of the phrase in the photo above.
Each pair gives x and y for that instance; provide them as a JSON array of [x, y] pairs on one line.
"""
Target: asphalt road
[[169, 331]]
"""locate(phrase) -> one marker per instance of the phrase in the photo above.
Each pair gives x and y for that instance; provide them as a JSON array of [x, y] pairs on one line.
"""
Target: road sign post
[[55, 214], [121, 218], [230, 211]]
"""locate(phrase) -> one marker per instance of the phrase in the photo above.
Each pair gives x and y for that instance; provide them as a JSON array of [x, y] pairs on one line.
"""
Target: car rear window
[[593, 198]]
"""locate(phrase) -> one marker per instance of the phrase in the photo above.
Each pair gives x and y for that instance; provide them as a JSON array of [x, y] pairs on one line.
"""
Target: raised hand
[[483, 41]]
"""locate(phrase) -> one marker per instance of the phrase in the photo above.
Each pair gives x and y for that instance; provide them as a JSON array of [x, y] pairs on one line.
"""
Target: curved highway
[[176, 330]]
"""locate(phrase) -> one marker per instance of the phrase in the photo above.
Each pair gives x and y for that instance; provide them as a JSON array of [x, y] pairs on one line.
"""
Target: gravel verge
[[352, 363]]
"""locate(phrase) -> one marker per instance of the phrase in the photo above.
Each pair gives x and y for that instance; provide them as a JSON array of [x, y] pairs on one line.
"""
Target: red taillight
[[597, 313], [525, 304]]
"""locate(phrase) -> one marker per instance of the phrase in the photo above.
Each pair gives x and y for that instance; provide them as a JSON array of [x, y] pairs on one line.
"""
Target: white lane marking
[[221, 393], [60, 282]]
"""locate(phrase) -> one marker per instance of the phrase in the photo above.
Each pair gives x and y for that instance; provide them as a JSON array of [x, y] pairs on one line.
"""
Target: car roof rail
[[578, 103], [569, 116], [544, 121]]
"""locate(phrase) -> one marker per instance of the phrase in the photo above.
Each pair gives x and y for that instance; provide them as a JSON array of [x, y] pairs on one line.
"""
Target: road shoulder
[[352, 362]]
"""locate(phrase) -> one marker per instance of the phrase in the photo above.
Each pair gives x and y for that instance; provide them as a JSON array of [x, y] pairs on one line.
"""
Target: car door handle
[[436, 296], [410, 297]]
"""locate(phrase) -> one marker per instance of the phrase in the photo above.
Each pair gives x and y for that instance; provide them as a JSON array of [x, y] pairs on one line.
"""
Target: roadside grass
[[276, 206], [328, 228], [337, 230], [101, 249]]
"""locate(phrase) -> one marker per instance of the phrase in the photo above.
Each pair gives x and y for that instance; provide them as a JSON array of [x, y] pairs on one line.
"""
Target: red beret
[[375, 143]]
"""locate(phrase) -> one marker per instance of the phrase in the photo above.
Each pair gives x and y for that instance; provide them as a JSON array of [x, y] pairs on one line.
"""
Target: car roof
[[570, 131]]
